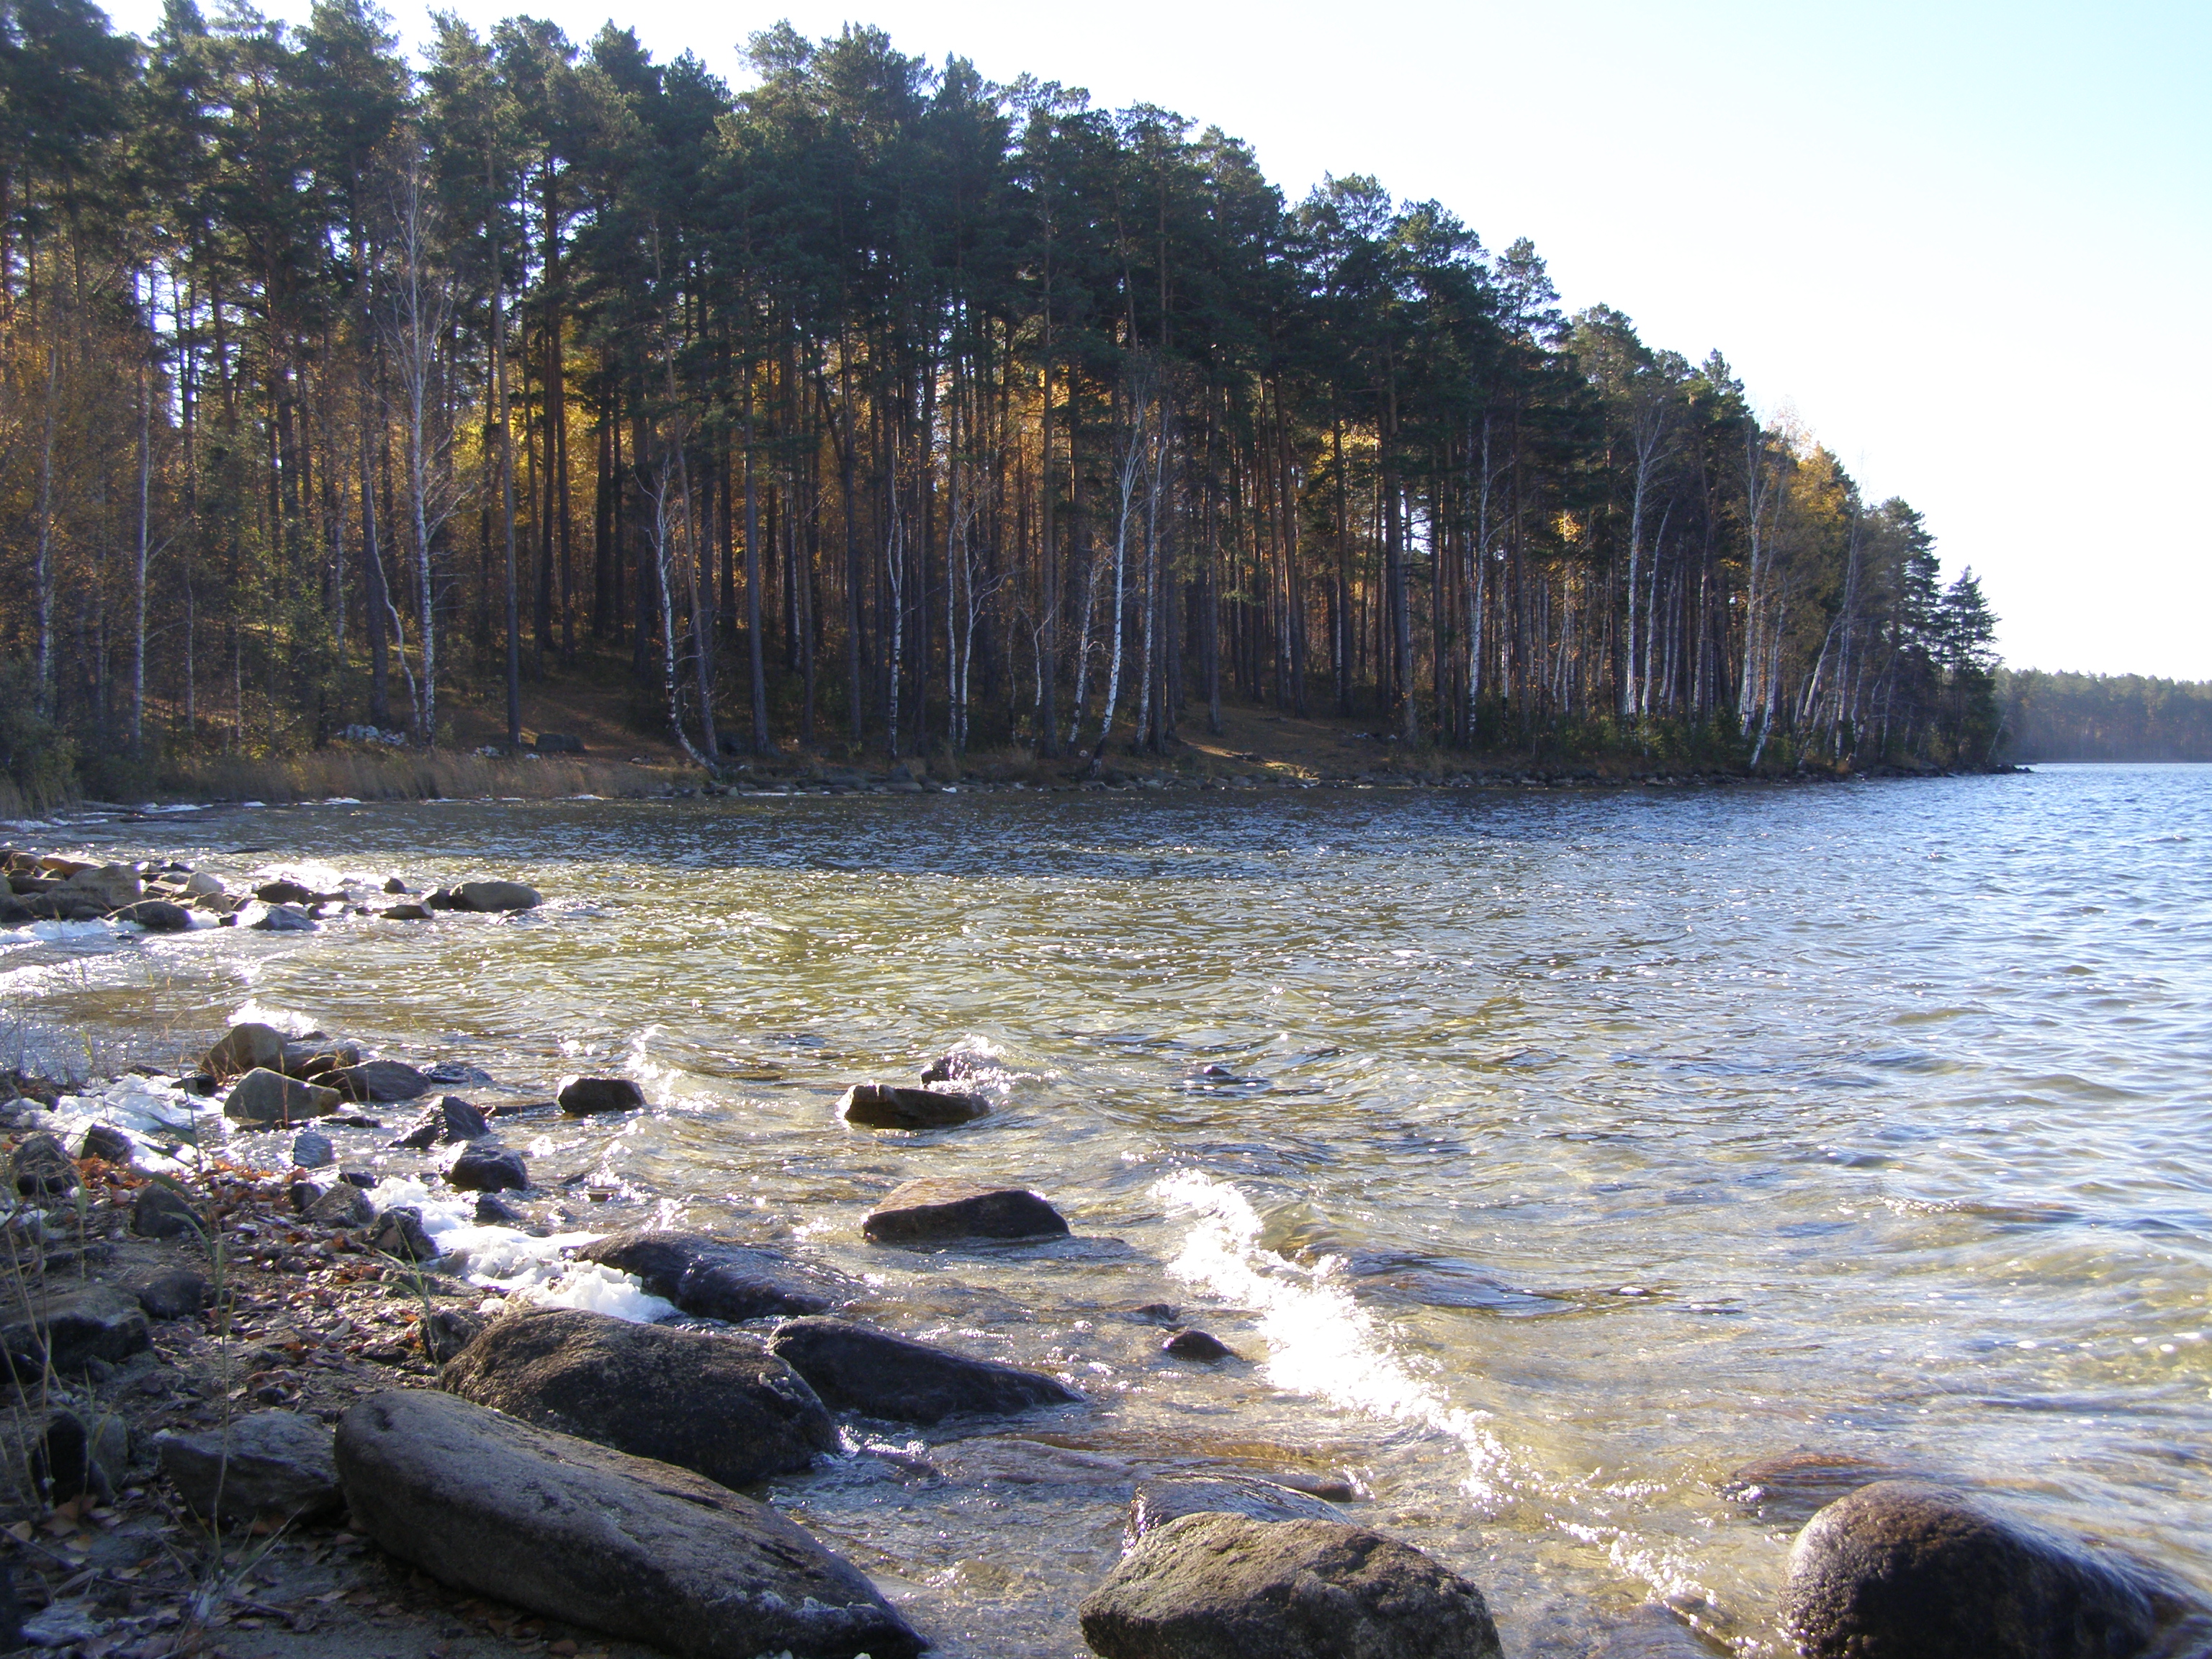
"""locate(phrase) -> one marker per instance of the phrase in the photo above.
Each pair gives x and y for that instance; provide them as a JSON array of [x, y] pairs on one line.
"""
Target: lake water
[[1566, 1150]]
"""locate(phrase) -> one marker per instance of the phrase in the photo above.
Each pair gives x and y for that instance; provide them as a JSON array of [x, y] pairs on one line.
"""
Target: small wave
[[254, 1011]]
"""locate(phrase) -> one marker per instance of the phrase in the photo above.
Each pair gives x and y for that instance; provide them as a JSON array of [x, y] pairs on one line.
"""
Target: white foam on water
[[54, 933], [598, 1289], [1320, 1341]]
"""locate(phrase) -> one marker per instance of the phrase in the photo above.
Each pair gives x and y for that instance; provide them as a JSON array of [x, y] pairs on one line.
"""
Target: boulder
[[394, 884], [451, 1121], [41, 1168], [285, 892], [400, 1231], [159, 1211], [311, 1151], [1167, 1497], [110, 886], [96, 1321], [265, 1097], [383, 1080], [493, 1211], [457, 1074], [853, 1368], [200, 884], [408, 913], [108, 1144], [157, 916], [344, 1205], [1908, 1570], [1218, 1586], [277, 1466], [177, 1294], [314, 1057], [892, 1106], [717, 1405], [584, 1095], [931, 1211], [244, 1048], [706, 1276], [957, 1066], [569, 1530], [495, 895], [488, 1169], [1200, 1345], [285, 919]]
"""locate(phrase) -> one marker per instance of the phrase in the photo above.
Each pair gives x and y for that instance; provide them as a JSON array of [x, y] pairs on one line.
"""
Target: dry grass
[[400, 775]]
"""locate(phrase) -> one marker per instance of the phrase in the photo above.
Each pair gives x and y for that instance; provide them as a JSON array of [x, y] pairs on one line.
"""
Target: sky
[[1969, 246]]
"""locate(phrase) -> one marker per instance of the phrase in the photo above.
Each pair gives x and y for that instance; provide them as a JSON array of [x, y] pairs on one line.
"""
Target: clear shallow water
[[1576, 1149]]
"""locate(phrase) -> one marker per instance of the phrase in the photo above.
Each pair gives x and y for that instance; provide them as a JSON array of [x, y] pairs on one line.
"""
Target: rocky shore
[[265, 1401]]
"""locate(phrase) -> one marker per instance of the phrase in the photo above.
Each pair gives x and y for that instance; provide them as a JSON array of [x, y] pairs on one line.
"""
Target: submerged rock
[[265, 1096], [1218, 1586], [1200, 1345], [277, 1466], [379, 1080], [707, 1277], [573, 1531], [496, 896], [891, 1106], [1792, 1486], [856, 1369], [452, 1120], [714, 1404], [157, 916], [931, 1211], [1166, 1498], [1907, 1570], [311, 1151], [582, 1096]]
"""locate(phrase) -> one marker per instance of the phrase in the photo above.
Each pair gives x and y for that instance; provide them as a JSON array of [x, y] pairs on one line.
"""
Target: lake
[[1548, 1154]]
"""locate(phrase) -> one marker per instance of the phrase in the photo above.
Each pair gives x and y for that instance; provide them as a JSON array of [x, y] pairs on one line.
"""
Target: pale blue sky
[[1970, 244]]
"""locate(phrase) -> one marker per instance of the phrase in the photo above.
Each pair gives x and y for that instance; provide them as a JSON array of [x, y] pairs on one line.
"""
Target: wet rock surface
[[379, 1080], [1217, 1586], [855, 1368], [711, 1277], [893, 1106], [483, 1168], [584, 1096], [601, 1539], [1163, 1498], [1908, 1570], [265, 1096], [940, 1210], [718, 1405]]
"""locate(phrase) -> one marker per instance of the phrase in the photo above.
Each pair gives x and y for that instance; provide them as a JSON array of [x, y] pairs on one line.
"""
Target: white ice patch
[[1320, 1341], [156, 1116], [536, 1270]]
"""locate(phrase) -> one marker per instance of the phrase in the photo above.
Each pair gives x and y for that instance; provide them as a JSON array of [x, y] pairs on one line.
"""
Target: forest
[[869, 408], [2104, 717]]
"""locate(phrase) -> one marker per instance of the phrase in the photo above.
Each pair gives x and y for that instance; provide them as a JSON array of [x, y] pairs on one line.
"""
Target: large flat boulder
[[715, 1404], [1908, 1570], [896, 1106], [938, 1210], [496, 895], [265, 1097], [1218, 1586], [97, 1322], [856, 1369], [277, 1466], [707, 1277], [573, 1531]]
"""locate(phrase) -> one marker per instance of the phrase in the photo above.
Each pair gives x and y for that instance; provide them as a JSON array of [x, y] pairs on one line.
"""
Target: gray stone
[[559, 743], [177, 1294], [344, 1205], [494, 1212], [110, 886], [161, 1212], [447, 1332], [932, 1210], [108, 1144], [157, 916], [584, 1094], [400, 1231], [410, 912], [286, 918], [245, 1048], [856, 1369], [382, 1080], [569, 1530], [1217, 1586], [488, 1169], [311, 1151], [451, 1120], [1905, 1570], [275, 1465], [496, 895], [285, 892], [892, 1106], [74, 1456], [316, 1056], [1167, 1497], [95, 1322], [268, 1097], [1200, 1345], [41, 1168], [709, 1278], [711, 1403]]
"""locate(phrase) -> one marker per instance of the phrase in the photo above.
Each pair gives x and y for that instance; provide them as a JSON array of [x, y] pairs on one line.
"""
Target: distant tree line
[[2104, 717], [876, 404]]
